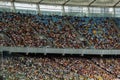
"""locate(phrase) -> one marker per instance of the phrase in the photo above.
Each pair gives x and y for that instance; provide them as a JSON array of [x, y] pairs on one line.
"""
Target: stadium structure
[[59, 39]]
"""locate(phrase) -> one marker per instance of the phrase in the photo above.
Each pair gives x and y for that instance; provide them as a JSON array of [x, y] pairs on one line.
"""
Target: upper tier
[[58, 31]]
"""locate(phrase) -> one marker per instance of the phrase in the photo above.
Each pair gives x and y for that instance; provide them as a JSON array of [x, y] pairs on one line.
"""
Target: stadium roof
[[96, 3]]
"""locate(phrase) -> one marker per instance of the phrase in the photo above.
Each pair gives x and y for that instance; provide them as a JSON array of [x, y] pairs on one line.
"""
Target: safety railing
[[46, 50]]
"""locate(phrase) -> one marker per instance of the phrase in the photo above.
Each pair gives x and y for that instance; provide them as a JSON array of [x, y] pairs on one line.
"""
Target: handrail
[[46, 50]]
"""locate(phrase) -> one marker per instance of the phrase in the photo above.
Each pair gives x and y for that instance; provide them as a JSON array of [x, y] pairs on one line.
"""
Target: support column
[[63, 10], [114, 13], [82, 12], [38, 9], [13, 7], [89, 11]]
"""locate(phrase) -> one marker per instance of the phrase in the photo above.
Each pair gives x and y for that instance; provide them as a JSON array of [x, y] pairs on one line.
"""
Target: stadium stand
[[100, 32], [59, 40], [17, 26], [40, 67], [26, 30]]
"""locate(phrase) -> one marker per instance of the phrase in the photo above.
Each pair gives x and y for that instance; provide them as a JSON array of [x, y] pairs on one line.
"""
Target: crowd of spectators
[[18, 28], [99, 31], [59, 68], [57, 31], [111, 65], [27, 29], [23, 29]]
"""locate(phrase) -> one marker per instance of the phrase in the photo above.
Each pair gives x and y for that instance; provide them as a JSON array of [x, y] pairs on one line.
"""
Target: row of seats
[[59, 68], [27, 29]]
